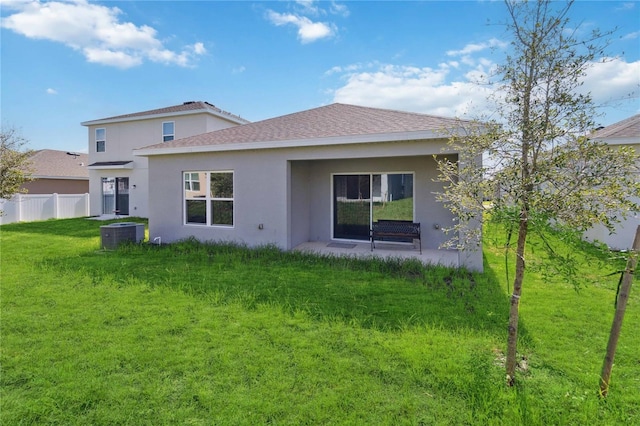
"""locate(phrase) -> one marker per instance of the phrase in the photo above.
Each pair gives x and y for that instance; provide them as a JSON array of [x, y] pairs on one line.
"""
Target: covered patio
[[449, 258]]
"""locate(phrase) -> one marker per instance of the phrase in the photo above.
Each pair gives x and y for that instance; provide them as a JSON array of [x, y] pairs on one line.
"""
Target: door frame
[[116, 201], [332, 196]]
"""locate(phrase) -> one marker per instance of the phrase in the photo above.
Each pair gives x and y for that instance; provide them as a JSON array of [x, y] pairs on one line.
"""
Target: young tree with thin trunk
[[14, 163], [542, 168]]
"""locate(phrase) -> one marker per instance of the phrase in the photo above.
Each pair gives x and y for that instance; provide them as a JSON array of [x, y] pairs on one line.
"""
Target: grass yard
[[199, 334], [394, 210]]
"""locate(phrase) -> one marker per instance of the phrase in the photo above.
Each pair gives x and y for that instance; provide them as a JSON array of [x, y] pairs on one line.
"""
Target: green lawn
[[394, 210], [198, 334]]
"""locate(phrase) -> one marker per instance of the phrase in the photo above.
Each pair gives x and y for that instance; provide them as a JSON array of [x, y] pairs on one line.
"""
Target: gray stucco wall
[[289, 191], [427, 211], [259, 197], [300, 206]]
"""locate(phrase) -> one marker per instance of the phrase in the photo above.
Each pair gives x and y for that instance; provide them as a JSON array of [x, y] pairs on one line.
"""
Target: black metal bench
[[394, 230]]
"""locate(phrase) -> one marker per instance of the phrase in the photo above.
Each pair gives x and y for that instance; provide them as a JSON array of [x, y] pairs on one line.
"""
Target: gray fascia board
[[60, 177], [294, 143], [619, 141]]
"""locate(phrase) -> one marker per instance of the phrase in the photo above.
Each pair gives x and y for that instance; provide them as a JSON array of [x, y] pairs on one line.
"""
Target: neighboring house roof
[[186, 108], [331, 124], [627, 129], [53, 164]]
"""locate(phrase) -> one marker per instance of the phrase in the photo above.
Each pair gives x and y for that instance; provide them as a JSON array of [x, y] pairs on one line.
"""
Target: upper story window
[[192, 182], [168, 131], [101, 139]]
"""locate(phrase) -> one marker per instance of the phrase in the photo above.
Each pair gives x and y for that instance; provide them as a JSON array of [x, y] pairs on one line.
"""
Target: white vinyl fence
[[30, 207]]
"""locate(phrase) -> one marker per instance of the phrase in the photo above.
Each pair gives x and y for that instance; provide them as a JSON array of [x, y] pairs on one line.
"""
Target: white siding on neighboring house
[[622, 133]]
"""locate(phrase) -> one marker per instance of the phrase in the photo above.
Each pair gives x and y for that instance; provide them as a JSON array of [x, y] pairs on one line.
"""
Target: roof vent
[[188, 103]]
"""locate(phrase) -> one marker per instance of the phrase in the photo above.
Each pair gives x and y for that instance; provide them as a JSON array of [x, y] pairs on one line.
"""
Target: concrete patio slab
[[448, 258]]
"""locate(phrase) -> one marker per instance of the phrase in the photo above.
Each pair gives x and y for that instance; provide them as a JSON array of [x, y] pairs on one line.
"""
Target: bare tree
[[15, 166], [543, 167]]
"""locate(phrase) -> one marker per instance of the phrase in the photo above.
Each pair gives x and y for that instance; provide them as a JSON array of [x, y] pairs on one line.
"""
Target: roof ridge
[[193, 107], [208, 105], [399, 111]]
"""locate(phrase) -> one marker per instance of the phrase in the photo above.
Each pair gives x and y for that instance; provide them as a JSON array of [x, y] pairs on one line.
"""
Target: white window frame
[[171, 135], [208, 199], [103, 140]]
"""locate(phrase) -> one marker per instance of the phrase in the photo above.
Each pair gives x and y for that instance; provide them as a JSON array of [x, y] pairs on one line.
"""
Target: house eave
[[619, 141], [236, 120], [125, 165], [294, 143]]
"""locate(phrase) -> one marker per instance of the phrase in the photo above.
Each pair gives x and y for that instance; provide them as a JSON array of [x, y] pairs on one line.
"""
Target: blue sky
[[68, 62]]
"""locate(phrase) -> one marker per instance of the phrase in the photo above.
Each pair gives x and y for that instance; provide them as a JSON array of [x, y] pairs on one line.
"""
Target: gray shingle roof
[[335, 120], [627, 128], [53, 163], [191, 106]]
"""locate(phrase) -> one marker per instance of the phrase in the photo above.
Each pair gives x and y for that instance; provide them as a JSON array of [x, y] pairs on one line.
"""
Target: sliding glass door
[[360, 199], [351, 206]]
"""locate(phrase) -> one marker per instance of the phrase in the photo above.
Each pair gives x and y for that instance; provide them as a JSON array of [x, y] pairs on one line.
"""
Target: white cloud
[[477, 47], [612, 80], [308, 8], [114, 58], [437, 91], [199, 49], [416, 89], [339, 9], [308, 31], [631, 36], [239, 70], [96, 31], [51, 91], [626, 6], [339, 69]]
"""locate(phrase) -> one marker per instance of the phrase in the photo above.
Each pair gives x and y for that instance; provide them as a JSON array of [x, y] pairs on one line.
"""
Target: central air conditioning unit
[[114, 234]]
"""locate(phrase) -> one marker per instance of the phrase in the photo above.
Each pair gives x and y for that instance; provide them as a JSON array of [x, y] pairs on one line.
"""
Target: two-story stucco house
[[118, 180], [316, 177]]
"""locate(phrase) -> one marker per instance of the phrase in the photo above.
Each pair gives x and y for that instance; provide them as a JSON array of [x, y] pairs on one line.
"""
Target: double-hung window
[[208, 198], [168, 131], [101, 139]]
